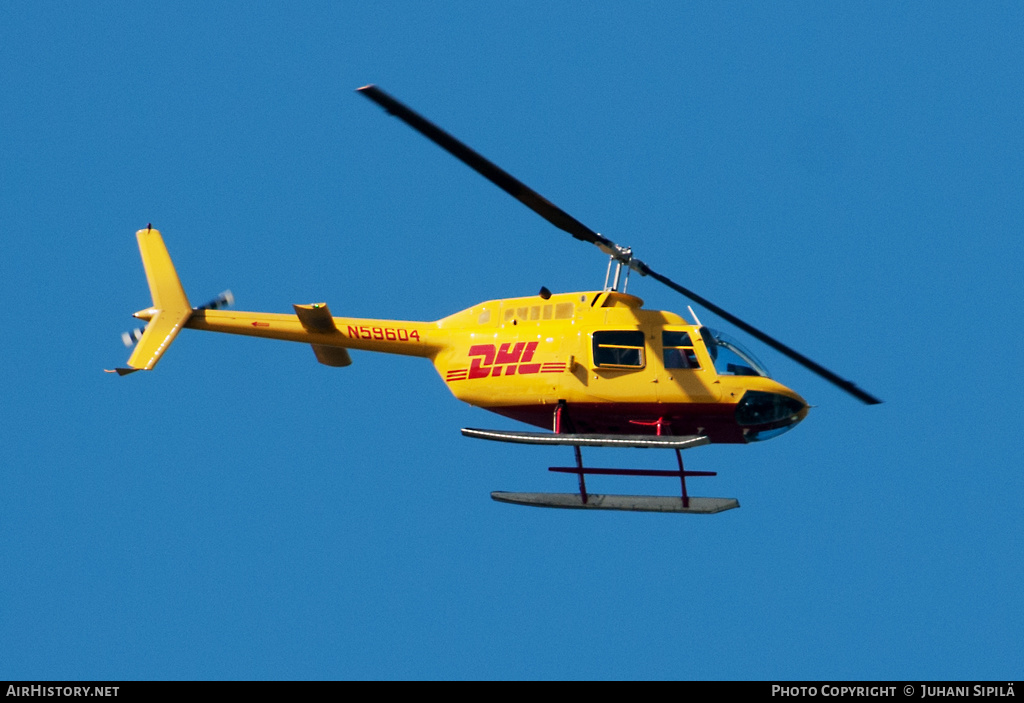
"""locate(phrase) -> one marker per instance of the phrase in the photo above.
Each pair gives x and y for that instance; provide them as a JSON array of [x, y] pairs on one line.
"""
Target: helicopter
[[592, 368]]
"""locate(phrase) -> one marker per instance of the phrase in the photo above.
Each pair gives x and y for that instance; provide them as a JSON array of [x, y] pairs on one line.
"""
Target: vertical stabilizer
[[170, 310]]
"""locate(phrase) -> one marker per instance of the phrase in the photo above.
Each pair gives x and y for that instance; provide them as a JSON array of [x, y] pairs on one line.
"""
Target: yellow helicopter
[[594, 368]]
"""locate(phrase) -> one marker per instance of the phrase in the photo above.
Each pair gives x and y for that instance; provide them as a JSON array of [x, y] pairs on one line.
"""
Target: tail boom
[[329, 336], [389, 336]]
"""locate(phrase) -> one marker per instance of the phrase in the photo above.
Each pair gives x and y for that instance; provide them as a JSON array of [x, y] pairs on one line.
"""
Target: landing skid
[[633, 441], [596, 501], [660, 504]]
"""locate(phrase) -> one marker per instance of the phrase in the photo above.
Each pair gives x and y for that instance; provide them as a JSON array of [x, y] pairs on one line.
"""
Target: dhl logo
[[506, 360]]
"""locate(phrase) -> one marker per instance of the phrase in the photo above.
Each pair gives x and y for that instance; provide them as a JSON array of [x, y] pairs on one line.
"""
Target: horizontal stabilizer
[[637, 441], [646, 504], [331, 356], [317, 318]]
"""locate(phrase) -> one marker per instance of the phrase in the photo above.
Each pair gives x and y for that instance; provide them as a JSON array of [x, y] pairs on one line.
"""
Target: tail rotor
[[225, 299], [132, 337], [170, 311]]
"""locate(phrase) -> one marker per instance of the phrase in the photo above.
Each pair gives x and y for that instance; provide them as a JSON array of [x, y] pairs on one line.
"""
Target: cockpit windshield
[[730, 357]]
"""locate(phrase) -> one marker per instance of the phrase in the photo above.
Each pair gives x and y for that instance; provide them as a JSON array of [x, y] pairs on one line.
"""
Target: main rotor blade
[[504, 180], [775, 344], [566, 222]]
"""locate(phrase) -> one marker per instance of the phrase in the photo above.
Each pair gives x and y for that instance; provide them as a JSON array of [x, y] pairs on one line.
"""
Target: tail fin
[[170, 310]]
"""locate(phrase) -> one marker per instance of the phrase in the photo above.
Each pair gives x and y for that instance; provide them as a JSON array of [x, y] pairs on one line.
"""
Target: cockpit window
[[730, 358], [617, 349], [678, 350]]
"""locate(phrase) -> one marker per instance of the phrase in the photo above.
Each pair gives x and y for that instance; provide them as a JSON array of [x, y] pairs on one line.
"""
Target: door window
[[619, 349], [678, 350]]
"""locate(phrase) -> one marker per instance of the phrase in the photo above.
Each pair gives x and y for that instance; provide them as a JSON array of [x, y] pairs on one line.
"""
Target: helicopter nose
[[765, 415], [763, 408]]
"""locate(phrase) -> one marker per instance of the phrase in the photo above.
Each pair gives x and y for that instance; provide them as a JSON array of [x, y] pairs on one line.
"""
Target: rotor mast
[[618, 272]]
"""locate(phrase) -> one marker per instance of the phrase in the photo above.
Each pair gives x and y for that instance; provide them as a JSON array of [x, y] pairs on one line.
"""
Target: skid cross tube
[[626, 472]]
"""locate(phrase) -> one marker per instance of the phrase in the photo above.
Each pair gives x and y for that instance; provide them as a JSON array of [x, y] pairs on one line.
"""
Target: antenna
[[694, 315]]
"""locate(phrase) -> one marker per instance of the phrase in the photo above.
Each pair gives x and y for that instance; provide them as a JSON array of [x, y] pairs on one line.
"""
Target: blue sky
[[846, 176]]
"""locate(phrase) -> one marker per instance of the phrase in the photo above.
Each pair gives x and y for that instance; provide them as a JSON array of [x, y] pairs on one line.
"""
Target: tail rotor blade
[[131, 337], [223, 300]]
